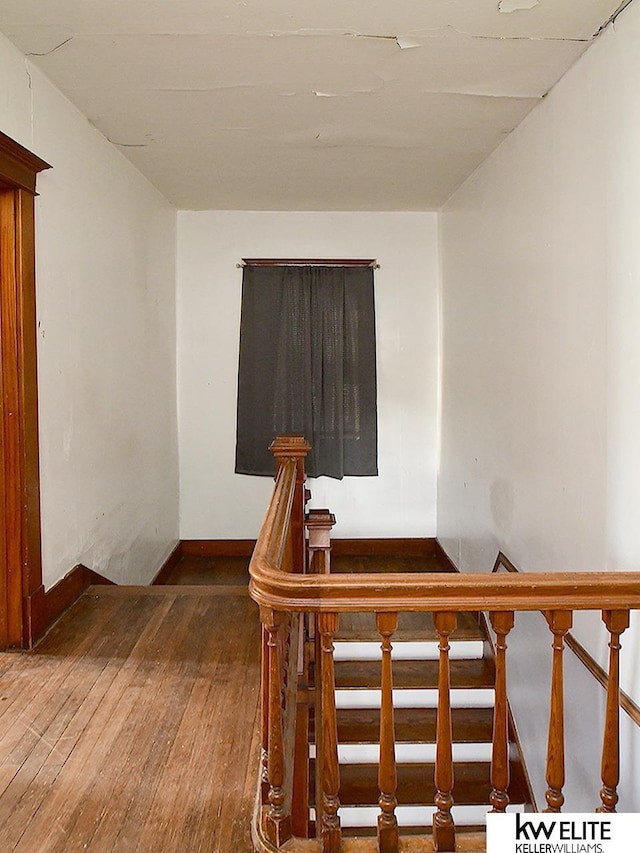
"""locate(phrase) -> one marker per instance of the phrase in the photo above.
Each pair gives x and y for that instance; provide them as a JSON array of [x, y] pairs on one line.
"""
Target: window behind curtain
[[308, 366]]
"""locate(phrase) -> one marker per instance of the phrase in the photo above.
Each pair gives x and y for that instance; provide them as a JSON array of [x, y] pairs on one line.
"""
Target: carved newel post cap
[[289, 446]]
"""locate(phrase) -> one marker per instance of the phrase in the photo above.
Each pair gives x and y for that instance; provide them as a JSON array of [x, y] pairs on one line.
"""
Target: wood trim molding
[[217, 547], [21, 609], [442, 554], [383, 547], [68, 590], [626, 702], [414, 547], [18, 166], [168, 566]]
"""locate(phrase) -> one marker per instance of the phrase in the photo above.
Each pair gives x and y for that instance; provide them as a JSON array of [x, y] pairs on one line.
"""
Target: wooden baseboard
[[415, 547], [445, 557], [218, 547], [168, 566], [626, 702], [383, 547], [69, 589], [35, 617]]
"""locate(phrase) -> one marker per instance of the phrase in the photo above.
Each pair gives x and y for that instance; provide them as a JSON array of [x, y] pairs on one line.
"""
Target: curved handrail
[[280, 590], [443, 592]]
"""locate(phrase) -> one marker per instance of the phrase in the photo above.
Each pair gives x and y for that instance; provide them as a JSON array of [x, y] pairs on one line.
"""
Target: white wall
[[106, 321], [401, 501], [541, 373]]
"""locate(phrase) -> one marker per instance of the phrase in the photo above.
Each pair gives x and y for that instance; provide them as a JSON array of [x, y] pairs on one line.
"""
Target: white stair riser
[[367, 816], [415, 698], [408, 753], [428, 650]]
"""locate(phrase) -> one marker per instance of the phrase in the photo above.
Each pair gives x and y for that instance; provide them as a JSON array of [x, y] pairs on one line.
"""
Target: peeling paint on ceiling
[[237, 104], [508, 6]]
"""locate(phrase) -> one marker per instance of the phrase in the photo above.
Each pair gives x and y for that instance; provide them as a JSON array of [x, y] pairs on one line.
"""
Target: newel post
[[294, 447], [319, 523]]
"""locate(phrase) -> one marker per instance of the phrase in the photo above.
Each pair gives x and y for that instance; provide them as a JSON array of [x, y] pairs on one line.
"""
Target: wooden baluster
[[387, 777], [278, 821], [560, 622], [502, 623], [616, 621], [264, 752], [328, 777], [443, 827]]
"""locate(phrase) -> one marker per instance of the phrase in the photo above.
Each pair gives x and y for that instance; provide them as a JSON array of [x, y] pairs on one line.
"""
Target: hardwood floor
[[134, 725]]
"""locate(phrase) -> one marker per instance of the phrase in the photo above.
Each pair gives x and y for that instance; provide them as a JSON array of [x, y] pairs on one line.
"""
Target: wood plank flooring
[[134, 725]]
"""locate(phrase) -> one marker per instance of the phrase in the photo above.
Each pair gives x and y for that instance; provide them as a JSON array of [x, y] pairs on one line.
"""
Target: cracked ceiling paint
[[507, 6], [239, 104]]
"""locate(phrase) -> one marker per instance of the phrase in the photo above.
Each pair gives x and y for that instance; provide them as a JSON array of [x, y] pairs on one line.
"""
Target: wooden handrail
[[441, 592]]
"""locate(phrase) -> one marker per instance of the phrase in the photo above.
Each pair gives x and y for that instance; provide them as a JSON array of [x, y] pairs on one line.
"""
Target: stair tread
[[415, 725], [415, 674], [411, 626], [359, 784]]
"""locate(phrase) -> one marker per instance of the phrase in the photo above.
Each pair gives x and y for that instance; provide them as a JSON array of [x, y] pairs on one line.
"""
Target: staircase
[[333, 675], [415, 673]]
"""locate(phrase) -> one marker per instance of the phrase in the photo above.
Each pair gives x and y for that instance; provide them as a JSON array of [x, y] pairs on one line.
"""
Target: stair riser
[[413, 816], [408, 753], [355, 650], [414, 698]]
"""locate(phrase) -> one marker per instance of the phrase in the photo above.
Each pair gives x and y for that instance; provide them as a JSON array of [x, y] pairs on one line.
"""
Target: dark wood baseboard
[[383, 547], [340, 547], [218, 547], [445, 557], [168, 566], [67, 591], [35, 617], [626, 702]]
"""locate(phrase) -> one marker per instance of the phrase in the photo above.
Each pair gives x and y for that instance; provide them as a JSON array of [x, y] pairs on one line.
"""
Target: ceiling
[[305, 104]]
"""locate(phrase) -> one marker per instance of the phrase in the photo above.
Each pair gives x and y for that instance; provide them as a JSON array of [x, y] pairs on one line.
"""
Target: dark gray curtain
[[308, 366]]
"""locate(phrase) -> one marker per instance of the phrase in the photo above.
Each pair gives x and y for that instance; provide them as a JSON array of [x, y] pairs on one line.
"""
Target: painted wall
[[541, 373], [401, 501], [106, 323]]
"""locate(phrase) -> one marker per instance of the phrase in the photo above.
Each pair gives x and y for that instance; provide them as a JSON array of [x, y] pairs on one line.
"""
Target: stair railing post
[[616, 621], [328, 775], [264, 713], [502, 623], [387, 624], [560, 622], [294, 447], [319, 523], [443, 826], [278, 820]]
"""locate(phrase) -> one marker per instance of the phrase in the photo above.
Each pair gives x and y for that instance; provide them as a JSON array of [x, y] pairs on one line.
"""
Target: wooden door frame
[[22, 611]]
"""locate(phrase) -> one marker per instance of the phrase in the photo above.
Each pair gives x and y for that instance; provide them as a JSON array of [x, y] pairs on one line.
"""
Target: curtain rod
[[309, 262]]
